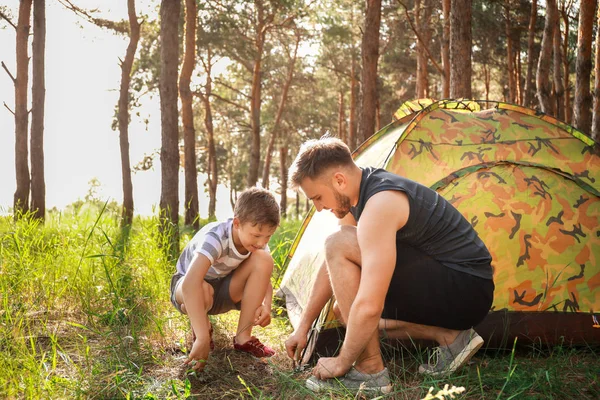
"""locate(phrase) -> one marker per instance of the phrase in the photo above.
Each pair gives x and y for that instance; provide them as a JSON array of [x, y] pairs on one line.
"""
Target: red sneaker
[[254, 347], [210, 332]]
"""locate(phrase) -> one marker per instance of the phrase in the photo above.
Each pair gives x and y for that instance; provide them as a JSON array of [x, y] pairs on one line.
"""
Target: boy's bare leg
[[208, 291], [249, 284], [343, 263]]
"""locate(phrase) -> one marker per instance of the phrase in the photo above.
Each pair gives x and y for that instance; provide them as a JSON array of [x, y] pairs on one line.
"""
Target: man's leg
[[434, 302], [249, 285], [343, 263], [392, 329]]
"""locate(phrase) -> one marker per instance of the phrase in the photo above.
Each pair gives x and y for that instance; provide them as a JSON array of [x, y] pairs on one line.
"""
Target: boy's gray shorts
[[221, 299]]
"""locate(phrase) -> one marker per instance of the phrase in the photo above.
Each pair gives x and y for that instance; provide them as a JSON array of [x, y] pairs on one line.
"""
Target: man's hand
[[330, 367], [199, 354], [262, 316], [295, 344]]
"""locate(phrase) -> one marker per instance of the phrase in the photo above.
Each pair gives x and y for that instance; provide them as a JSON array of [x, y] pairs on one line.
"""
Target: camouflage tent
[[528, 183]]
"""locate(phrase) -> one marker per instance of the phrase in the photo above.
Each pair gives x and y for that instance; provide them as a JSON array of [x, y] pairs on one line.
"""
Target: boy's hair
[[258, 207], [316, 156]]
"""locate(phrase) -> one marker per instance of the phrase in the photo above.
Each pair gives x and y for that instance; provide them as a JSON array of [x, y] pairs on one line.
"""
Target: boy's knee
[[263, 261]]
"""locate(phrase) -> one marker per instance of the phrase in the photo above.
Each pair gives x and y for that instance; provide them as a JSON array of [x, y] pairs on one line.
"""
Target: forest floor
[[85, 313]]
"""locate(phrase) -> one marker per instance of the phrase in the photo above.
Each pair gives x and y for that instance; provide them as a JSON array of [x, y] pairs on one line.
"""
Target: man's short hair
[[258, 207], [317, 156]]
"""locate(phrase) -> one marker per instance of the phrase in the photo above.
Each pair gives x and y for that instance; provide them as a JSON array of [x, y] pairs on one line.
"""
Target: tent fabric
[[530, 186]]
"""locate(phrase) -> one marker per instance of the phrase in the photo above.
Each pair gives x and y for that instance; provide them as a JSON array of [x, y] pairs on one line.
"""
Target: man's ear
[[339, 180]]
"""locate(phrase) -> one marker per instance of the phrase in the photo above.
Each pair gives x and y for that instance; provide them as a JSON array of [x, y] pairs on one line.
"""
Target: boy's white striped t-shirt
[[215, 241]]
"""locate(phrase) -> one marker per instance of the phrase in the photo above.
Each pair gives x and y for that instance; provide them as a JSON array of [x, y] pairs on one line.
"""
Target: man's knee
[[341, 242], [338, 313]]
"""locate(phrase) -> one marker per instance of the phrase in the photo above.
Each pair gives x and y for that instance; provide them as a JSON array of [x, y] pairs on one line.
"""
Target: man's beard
[[343, 205]]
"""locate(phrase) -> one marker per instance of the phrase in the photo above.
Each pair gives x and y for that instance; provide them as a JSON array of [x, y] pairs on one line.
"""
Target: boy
[[228, 265]]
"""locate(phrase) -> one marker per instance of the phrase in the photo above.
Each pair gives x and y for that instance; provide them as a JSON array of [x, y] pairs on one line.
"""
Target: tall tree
[[21, 197], [169, 152], [187, 116], [582, 116], [543, 71], [130, 27], [283, 168], [527, 96], [38, 100], [213, 172], [595, 133], [564, 11], [446, 49], [123, 113], [354, 87], [510, 64], [460, 49], [559, 89], [282, 102], [421, 76], [370, 57]]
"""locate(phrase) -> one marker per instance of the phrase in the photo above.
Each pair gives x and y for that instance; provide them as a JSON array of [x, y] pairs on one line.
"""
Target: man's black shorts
[[426, 292]]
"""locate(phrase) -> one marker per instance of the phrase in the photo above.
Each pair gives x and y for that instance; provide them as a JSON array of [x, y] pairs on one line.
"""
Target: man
[[404, 260]]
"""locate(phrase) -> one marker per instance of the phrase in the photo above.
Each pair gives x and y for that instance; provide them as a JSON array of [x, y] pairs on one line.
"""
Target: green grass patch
[[85, 313]]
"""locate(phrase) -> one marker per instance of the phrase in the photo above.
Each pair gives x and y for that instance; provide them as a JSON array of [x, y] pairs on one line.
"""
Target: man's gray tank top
[[434, 226]]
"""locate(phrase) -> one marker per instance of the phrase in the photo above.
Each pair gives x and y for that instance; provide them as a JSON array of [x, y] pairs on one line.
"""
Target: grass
[[84, 313]]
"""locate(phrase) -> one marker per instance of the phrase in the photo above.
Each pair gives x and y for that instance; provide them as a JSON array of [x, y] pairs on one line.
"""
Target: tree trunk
[[280, 109], [38, 100], [518, 80], [595, 133], [255, 101], [213, 173], [460, 49], [527, 98], [378, 115], [566, 85], [446, 50], [582, 116], [123, 114], [169, 152], [297, 204], [353, 94], [370, 55], [509, 55], [486, 80], [421, 79], [187, 117], [341, 118], [21, 198], [559, 90], [545, 59], [284, 178]]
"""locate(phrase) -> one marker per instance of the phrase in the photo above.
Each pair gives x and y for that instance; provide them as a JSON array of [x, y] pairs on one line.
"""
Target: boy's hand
[[198, 355], [262, 316]]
